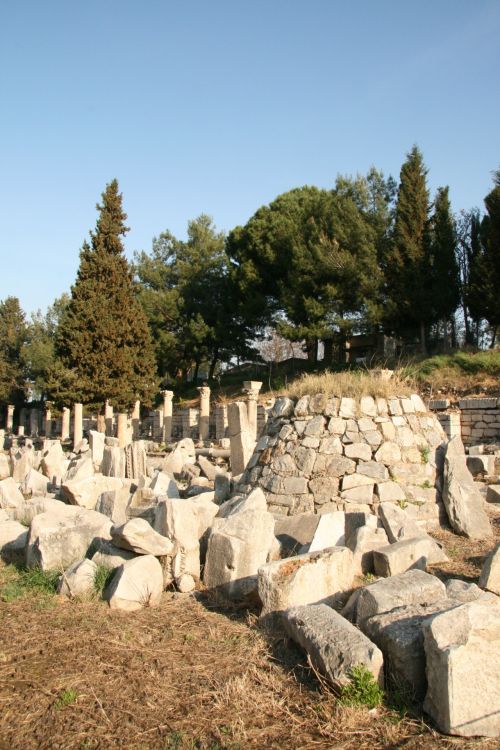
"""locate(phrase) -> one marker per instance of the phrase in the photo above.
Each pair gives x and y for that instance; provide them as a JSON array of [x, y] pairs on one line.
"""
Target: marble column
[[167, 415], [252, 388], [108, 416], [10, 418], [65, 423], [48, 419], [34, 426], [204, 419], [136, 420], [122, 429], [77, 424]]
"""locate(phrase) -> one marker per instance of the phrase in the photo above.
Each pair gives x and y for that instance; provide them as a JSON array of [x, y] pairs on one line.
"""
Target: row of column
[[105, 422]]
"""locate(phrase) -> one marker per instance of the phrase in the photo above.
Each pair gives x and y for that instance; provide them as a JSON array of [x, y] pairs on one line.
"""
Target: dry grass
[[184, 676], [350, 384]]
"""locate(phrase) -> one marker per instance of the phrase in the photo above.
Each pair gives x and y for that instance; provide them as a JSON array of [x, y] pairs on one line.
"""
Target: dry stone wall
[[475, 420], [325, 454]]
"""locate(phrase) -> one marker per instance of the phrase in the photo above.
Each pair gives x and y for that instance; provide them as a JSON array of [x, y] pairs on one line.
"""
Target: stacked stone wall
[[324, 454], [476, 420]]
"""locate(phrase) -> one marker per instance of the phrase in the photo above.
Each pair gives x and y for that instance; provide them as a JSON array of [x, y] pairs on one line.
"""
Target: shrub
[[362, 690]]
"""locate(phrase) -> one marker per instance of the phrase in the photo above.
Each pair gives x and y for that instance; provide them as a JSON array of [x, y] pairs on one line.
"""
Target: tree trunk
[[493, 337], [213, 365], [453, 325], [195, 374], [328, 355], [423, 346], [312, 350]]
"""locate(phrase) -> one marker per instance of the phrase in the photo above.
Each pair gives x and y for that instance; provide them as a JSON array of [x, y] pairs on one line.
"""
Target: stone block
[[481, 465], [368, 406], [333, 644], [372, 469], [493, 493], [138, 536], [10, 494], [388, 453], [490, 573], [304, 579], [77, 579], [13, 540], [408, 554], [390, 492], [462, 649], [136, 584], [86, 492], [363, 542], [462, 501], [330, 532], [347, 408], [412, 587], [362, 494], [360, 451]]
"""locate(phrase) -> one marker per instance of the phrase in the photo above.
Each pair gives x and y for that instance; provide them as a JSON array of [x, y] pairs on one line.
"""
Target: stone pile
[[333, 490]]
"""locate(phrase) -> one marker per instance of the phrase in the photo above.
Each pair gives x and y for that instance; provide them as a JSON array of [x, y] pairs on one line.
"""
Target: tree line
[[369, 255]]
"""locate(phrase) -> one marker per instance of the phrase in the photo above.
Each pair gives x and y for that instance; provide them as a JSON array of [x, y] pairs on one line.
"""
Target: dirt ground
[[184, 676]]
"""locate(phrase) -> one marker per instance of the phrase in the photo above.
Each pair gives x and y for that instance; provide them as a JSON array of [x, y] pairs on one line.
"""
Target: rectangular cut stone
[[330, 531], [394, 407], [360, 451], [372, 469], [477, 403], [333, 644], [407, 554], [493, 493], [412, 587], [462, 649], [418, 404], [363, 494], [390, 492], [337, 425], [355, 480], [436, 404], [408, 406], [368, 406], [316, 577]]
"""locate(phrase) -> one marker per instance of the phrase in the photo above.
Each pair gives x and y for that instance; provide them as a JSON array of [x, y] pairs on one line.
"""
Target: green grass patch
[[17, 582], [66, 698], [487, 363], [102, 577]]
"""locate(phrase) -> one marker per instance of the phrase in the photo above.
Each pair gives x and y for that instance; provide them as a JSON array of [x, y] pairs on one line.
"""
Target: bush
[[362, 690]]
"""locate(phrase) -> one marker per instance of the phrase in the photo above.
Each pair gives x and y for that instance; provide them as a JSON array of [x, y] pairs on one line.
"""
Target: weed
[[402, 503], [362, 690], [102, 577], [66, 698], [425, 453], [20, 581], [369, 578], [426, 485]]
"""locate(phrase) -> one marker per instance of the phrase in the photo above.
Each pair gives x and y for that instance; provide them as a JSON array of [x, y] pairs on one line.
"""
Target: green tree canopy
[[103, 343], [444, 271], [12, 339]]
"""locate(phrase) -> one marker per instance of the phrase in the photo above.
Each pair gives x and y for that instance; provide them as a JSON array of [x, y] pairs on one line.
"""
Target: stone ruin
[[322, 521]]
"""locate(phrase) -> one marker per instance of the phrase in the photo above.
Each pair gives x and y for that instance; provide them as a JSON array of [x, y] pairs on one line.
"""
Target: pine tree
[[489, 259], [408, 261], [445, 282], [103, 341], [12, 338]]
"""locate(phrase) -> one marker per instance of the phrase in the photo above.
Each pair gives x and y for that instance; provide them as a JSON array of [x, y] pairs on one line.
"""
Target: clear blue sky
[[217, 106]]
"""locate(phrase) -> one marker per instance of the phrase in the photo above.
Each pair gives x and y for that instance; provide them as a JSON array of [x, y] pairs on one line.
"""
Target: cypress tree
[[408, 260], [445, 289], [12, 338], [103, 340]]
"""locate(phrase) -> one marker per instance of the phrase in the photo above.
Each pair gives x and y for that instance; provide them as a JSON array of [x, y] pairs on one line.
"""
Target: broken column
[[48, 419], [136, 420], [121, 429], [241, 437], [65, 423], [77, 424], [220, 421], [108, 417], [204, 422], [101, 423], [167, 415], [252, 388], [10, 418]]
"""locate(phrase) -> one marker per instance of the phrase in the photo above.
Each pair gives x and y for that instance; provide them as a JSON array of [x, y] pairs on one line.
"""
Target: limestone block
[[13, 540], [408, 554], [53, 463], [138, 536], [461, 499], [4, 466], [59, 537], [390, 492], [163, 485], [80, 467], [302, 407], [77, 579], [337, 425], [418, 404], [20, 464], [295, 485], [407, 406], [222, 487], [462, 649], [332, 407], [400, 637], [137, 583], [85, 492], [356, 518], [110, 556], [330, 446], [493, 493], [283, 408], [398, 524], [114, 503], [372, 469], [333, 644], [236, 550], [394, 407], [304, 579], [177, 520], [461, 591], [362, 494], [363, 542], [359, 451], [183, 453], [26, 511], [412, 587], [295, 532], [338, 466], [368, 406], [330, 531], [405, 437], [382, 406], [388, 453], [490, 573], [347, 408], [35, 484], [10, 494], [113, 461], [373, 438], [388, 431], [96, 442], [315, 427], [356, 480]]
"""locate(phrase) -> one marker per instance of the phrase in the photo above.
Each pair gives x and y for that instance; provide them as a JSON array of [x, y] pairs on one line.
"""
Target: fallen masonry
[[323, 518]]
